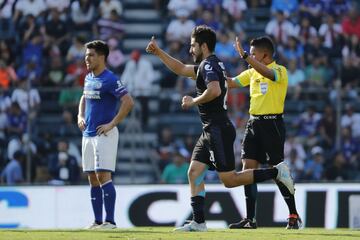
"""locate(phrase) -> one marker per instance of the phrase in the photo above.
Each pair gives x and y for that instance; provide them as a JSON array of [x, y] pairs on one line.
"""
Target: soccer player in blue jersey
[[97, 119]]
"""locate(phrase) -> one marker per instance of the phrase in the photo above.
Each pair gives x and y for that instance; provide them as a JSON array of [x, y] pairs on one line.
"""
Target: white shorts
[[100, 152]]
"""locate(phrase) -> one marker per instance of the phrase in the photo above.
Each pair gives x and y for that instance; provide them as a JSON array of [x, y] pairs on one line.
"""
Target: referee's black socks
[[288, 197], [197, 204]]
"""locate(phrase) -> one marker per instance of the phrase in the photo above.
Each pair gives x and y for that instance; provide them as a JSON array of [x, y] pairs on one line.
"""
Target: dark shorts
[[264, 139], [215, 147]]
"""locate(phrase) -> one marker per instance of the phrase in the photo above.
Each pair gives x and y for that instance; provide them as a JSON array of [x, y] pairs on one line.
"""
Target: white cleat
[[285, 177], [106, 225], [92, 226], [192, 227]]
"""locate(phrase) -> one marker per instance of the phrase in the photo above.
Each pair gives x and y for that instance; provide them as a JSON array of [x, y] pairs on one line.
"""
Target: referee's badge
[[264, 87]]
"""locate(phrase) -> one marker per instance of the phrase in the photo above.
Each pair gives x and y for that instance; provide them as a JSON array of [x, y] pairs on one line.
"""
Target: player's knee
[[228, 182], [192, 174]]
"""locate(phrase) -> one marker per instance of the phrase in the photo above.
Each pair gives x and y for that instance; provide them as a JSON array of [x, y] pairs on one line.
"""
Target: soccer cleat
[[106, 225], [92, 226], [285, 177], [244, 224], [294, 222], [192, 227]]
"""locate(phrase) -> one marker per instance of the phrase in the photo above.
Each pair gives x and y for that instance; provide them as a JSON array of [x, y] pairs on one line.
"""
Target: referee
[[264, 138]]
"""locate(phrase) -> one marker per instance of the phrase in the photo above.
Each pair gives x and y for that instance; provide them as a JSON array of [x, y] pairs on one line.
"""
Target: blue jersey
[[101, 95]]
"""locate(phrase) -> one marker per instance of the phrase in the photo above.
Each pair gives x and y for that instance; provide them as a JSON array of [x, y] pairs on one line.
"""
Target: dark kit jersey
[[215, 111]]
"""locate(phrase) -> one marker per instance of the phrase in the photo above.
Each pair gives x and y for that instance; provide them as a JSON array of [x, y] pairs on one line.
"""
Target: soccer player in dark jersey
[[264, 138], [97, 119], [214, 148]]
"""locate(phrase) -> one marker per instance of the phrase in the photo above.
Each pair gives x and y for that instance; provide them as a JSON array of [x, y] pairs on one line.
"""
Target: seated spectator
[[305, 31], [176, 171], [77, 49], [116, 58], [55, 75], [317, 74], [338, 170], [82, 13], [307, 125], [7, 26], [138, 77], [16, 120], [106, 6], [280, 28], [166, 147], [63, 167], [327, 128], [207, 18], [351, 119], [57, 32], [36, 8], [331, 32], [351, 23], [8, 76], [75, 73], [180, 28], [338, 8], [68, 127], [30, 71], [314, 167], [312, 10], [213, 6], [296, 78], [292, 50], [70, 96], [188, 5], [288, 7], [13, 172], [349, 147], [236, 9], [296, 165], [226, 52], [62, 7], [28, 99], [111, 27]]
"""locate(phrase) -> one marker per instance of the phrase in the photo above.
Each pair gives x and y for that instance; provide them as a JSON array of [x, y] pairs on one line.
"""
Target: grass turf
[[166, 233]]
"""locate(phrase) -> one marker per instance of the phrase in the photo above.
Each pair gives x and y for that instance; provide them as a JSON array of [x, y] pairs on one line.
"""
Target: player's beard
[[198, 57]]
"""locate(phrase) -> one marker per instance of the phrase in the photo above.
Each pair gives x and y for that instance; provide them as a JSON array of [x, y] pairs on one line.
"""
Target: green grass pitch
[[165, 233]]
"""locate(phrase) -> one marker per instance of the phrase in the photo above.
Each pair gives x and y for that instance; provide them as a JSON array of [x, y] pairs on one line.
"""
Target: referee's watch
[[245, 55]]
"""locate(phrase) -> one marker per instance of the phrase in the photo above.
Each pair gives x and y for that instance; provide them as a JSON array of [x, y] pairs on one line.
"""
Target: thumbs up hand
[[152, 46]]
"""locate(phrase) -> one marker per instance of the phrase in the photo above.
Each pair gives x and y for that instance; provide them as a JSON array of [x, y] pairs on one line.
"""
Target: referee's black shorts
[[215, 147], [264, 139]]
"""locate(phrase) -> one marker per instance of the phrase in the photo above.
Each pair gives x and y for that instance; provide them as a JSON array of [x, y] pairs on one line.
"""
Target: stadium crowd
[[42, 46]]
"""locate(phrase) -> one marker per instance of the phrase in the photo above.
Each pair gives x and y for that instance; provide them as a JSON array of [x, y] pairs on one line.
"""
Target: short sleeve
[[243, 79], [117, 88], [280, 74], [209, 73]]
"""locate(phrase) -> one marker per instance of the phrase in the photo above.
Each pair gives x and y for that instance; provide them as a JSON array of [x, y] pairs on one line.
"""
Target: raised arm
[[172, 63], [258, 66]]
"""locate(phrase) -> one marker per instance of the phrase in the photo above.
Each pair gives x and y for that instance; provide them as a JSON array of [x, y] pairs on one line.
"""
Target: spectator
[[331, 32], [296, 78], [116, 58], [138, 76], [226, 52], [180, 28], [82, 16], [312, 10], [55, 75], [176, 172], [327, 128], [75, 73], [280, 28], [61, 7], [349, 147], [63, 167], [68, 128], [296, 164], [28, 99], [7, 27], [207, 18], [351, 119], [16, 121], [316, 74], [13, 172], [307, 125], [236, 9], [338, 170], [351, 23], [166, 147], [111, 27], [314, 169], [292, 50], [77, 49], [213, 6], [7, 76], [305, 31], [107, 6], [288, 7], [70, 96], [35, 8], [188, 5]]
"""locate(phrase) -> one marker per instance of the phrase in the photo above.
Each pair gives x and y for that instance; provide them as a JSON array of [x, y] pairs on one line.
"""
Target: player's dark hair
[[204, 34], [264, 43], [100, 47]]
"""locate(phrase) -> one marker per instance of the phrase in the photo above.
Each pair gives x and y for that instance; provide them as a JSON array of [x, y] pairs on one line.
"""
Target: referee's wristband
[[244, 55]]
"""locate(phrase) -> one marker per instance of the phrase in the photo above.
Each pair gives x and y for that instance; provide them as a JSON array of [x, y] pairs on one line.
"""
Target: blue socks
[[96, 194], [109, 201]]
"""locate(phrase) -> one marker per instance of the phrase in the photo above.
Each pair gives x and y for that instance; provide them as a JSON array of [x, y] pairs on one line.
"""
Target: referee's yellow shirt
[[266, 96]]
